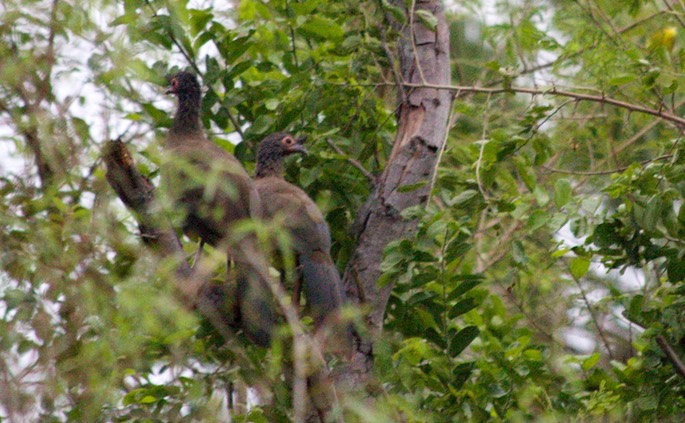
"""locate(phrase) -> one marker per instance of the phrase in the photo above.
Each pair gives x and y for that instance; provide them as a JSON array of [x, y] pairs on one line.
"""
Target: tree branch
[[369, 176], [605, 172], [671, 355], [677, 120], [45, 171], [578, 52], [593, 316], [138, 194]]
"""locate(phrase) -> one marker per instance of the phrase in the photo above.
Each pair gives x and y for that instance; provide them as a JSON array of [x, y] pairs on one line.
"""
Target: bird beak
[[299, 147], [169, 90]]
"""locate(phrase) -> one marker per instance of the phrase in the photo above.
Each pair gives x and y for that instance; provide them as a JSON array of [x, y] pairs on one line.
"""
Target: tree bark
[[138, 194], [423, 116]]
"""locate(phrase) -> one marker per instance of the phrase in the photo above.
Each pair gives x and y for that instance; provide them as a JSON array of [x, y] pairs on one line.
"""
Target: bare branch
[[671, 355], [368, 175], [553, 91], [593, 316], [605, 172], [486, 121], [292, 35]]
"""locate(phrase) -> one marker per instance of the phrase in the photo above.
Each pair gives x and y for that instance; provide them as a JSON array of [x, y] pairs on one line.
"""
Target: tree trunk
[[422, 127]]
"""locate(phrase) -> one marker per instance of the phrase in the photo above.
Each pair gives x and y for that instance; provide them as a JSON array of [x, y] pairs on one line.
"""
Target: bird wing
[[212, 187], [300, 214]]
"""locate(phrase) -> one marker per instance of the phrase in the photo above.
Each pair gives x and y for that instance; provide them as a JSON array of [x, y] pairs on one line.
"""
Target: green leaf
[[541, 196], [396, 12], [579, 266], [427, 19], [305, 8], [526, 172], [518, 253], [198, 20], [591, 361], [323, 27], [463, 339], [239, 68], [562, 193], [622, 79], [232, 49], [538, 219], [652, 213], [462, 307], [159, 116], [463, 197], [271, 104], [411, 187], [463, 288], [261, 125], [148, 399], [675, 266], [82, 128]]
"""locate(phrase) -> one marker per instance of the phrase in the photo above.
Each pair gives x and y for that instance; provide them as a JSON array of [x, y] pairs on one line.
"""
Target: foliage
[[547, 264]]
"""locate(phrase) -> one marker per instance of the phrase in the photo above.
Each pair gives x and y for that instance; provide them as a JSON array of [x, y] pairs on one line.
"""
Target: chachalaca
[[302, 218], [212, 192]]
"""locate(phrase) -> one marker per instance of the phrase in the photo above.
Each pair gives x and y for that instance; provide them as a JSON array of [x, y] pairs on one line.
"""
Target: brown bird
[[303, 219], [212, 192]]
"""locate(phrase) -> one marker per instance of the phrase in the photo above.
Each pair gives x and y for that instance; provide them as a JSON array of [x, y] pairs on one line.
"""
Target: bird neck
[[187, 119], [269, 165]]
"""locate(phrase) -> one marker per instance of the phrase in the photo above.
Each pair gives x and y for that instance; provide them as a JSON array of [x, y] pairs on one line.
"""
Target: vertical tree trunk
[[423, 118]]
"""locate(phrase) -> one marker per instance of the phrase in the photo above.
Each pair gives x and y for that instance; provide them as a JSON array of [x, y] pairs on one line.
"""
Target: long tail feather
[[322, 286], [255, 300]]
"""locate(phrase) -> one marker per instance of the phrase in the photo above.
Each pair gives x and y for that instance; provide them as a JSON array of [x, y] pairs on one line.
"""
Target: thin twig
[[368, 175], [198, 253], [605, 172], [677, 120], [395, 72], [582, 50], [671, 355], [593, 316], [451, 118], [482, 147], [413, 41], [478, 237], [292, 34], [502, 241], [675, 14], [43, 87]]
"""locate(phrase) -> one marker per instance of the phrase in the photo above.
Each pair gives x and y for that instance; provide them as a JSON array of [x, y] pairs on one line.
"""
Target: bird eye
[[174, 83], [288, 141]]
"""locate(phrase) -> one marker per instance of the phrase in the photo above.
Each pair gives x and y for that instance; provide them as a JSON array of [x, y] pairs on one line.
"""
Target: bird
[[304, 221], [211, 191]]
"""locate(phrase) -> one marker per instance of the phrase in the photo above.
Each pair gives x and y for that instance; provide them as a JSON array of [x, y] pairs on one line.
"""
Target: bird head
[[282, 144], [291, 145], [183, 83]]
